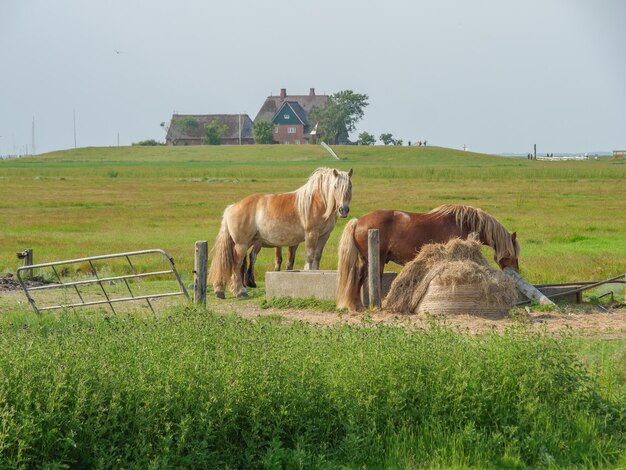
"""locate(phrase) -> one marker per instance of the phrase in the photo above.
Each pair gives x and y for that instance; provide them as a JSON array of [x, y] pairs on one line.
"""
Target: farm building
[[190, 129], [289, 114]]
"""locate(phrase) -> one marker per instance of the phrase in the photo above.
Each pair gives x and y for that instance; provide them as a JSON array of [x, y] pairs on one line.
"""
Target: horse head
[[509, 260], [343, 191]]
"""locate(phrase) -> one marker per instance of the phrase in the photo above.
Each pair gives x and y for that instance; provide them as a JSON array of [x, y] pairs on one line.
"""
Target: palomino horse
[[402, 235], [247, 269], [307, 215]]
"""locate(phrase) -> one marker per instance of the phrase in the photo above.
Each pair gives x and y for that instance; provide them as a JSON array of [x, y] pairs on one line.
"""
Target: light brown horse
[[307, 215], [402, 235], [247, 269]]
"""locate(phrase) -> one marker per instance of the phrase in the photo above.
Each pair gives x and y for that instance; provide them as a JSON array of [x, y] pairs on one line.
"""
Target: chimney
[[283, 93], [311, 91]]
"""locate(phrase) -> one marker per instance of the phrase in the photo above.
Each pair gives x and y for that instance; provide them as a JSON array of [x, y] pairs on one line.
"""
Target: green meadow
[[569, 216], [193, 388]]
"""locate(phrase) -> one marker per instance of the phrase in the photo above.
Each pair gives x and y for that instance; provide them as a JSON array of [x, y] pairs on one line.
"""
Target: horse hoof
[[252, 284], [220, 295], [242, 295]]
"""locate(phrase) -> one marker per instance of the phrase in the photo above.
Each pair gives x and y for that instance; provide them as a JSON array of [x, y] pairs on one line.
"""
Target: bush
[[192, 389], [148, 143]]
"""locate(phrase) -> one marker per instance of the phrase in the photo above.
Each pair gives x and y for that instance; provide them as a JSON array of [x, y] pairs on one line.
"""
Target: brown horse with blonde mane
[[402, 235], [307, 215]]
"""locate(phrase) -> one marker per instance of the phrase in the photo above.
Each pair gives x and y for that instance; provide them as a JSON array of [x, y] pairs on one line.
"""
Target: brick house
[[289, 114], [189, 129]]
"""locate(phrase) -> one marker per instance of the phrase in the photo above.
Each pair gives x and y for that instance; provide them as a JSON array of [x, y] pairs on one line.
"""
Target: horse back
[[402, 234], [270, 218]]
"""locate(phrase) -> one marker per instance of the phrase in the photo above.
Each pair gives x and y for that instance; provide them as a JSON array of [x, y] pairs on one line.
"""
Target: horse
[[247, 269], [403, 234], [307, 215]]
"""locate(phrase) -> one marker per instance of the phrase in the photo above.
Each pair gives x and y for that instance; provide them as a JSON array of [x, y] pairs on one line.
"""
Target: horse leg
[[244, 270], [239, 253], [319, 248], [292, 257], [248, 280], [310, 244], [218, 288], [358, 302], [278, 258]]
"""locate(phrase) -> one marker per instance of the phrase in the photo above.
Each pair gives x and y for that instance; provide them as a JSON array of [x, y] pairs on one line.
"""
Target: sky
[[494, 76]]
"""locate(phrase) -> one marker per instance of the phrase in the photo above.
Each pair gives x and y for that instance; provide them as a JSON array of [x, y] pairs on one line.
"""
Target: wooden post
[[373, 267], [200, 269], [27, 256], [528, 289]]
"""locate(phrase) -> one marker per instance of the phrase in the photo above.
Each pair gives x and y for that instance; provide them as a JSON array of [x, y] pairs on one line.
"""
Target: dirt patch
[[8, 282], [588, 320]]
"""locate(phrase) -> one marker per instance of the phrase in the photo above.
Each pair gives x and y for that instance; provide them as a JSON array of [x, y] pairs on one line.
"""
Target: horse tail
[[222, 256], [348, 270]]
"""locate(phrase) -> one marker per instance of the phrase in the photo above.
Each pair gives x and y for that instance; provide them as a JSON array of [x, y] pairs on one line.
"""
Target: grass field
[[569, 216], [189, 388]]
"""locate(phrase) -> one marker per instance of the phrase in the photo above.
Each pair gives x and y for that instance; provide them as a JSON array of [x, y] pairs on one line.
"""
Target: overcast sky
[[497, 76]]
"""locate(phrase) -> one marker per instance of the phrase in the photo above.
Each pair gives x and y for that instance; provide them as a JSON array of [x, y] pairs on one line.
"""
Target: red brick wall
[[282, 136]]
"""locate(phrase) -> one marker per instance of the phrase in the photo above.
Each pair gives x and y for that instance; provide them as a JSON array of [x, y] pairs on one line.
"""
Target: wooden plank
[[528, 289]]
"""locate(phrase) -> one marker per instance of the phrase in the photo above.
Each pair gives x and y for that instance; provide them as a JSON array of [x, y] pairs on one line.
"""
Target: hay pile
[[451, 278]]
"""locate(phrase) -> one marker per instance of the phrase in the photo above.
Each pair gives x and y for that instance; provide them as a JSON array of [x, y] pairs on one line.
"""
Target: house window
[[291, 130], [286, 116], [276, 130]]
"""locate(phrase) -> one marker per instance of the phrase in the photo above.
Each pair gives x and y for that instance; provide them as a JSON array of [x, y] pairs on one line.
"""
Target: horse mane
[[321, 181], [490, 229]]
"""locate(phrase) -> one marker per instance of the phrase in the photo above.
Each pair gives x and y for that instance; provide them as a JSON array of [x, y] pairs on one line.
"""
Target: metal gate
[[110, 297]]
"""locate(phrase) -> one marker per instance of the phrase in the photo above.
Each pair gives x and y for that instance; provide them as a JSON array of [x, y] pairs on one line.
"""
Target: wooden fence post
[[373, 267], [200, 269], [27, 256]]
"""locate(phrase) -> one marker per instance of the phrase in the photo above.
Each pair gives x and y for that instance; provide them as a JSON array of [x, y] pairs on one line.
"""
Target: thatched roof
[[307, 102], [229, 122]]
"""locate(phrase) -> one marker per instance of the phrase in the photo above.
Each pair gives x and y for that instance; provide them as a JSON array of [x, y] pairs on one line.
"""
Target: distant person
[[425, 142]]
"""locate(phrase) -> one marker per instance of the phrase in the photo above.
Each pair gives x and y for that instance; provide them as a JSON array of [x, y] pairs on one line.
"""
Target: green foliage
[[213, 133], [365, 138], [386, 138], [191, 389], [298, 303], [148, 143], [263, 132], [187, 124], [344, 110], [398, 142]]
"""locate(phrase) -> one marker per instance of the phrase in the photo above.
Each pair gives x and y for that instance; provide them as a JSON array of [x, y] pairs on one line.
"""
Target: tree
[[365, 138], [340, 116], [187, 124], [398, 142], [386, 138], [213, 133], [264, 132]]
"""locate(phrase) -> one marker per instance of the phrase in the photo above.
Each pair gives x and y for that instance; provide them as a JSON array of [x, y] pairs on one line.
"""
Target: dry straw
[[451, 278]]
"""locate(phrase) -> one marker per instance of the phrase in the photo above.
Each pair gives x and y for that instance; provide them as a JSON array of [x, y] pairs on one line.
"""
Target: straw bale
[[451, 278]]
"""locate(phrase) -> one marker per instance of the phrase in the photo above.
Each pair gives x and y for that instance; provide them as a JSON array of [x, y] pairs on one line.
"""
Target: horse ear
[[513, 236], [350, 173], [335, 172]]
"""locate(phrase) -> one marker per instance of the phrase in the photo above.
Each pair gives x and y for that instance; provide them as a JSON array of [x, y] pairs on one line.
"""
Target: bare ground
[[586, 319]]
